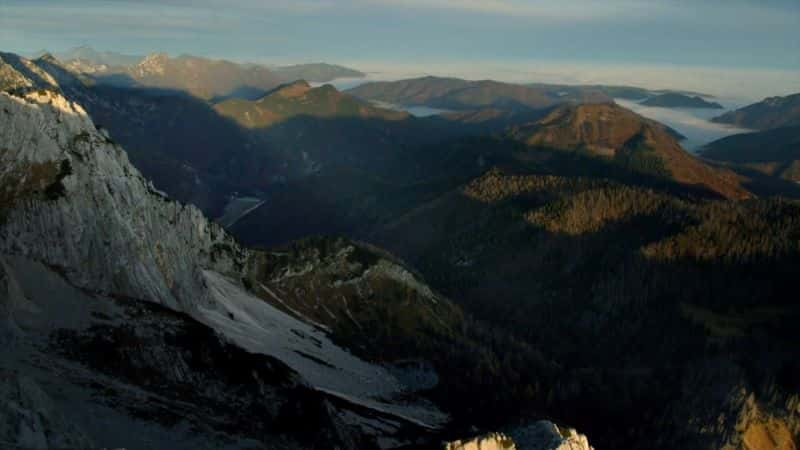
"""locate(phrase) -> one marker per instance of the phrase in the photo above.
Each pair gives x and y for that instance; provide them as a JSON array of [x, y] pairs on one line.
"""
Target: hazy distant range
[[693, 123]]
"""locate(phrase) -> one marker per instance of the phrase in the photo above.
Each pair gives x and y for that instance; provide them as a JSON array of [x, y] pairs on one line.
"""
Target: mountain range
[[526, 255], [317, 72], [457, 94], [202, 77], [96, 57], [618, 91]]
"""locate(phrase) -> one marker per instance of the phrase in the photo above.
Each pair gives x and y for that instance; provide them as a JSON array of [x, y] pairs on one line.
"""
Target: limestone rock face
[[541, 435], [490, 441], [96, 216], [30, 420], [152, 64], [545, 435]]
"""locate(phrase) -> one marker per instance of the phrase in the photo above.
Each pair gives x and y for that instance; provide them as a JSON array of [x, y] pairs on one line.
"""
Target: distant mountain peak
[[155, 57], [96, 57], [153, 63], [47, 56]]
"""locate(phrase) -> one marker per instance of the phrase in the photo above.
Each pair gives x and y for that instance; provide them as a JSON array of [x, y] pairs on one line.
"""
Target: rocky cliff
[[79, 205], [30, 418], [72, 208]]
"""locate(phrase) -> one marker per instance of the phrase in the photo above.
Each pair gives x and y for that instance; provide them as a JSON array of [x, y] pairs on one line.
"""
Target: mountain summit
[[617, 134], [290, 90]]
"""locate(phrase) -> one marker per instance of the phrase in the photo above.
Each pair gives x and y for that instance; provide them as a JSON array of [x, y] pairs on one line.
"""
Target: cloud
[[194, 13], [544, 9], [551, 10], [40, 16], [275, 6]]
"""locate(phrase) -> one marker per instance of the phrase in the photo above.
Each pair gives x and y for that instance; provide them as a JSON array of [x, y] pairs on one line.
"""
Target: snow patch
[[259, 327]]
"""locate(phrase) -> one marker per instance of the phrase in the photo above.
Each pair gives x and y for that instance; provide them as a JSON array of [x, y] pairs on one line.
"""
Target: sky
[[732, 47]]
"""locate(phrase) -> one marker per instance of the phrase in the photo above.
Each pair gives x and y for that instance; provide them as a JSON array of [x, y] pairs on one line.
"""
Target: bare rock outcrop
[[73, 200], [541, 435], [30, 420]]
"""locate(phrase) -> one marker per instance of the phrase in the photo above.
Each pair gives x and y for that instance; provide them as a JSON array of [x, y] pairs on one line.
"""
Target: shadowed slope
[[775, 152], [769, 113]]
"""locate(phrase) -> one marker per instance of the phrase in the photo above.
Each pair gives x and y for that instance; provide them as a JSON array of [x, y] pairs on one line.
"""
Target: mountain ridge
[[458, 94], [298, 98], [674, 100], [317, 72], [89, 54], [613, 132], [772, 112], [222, 78]]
